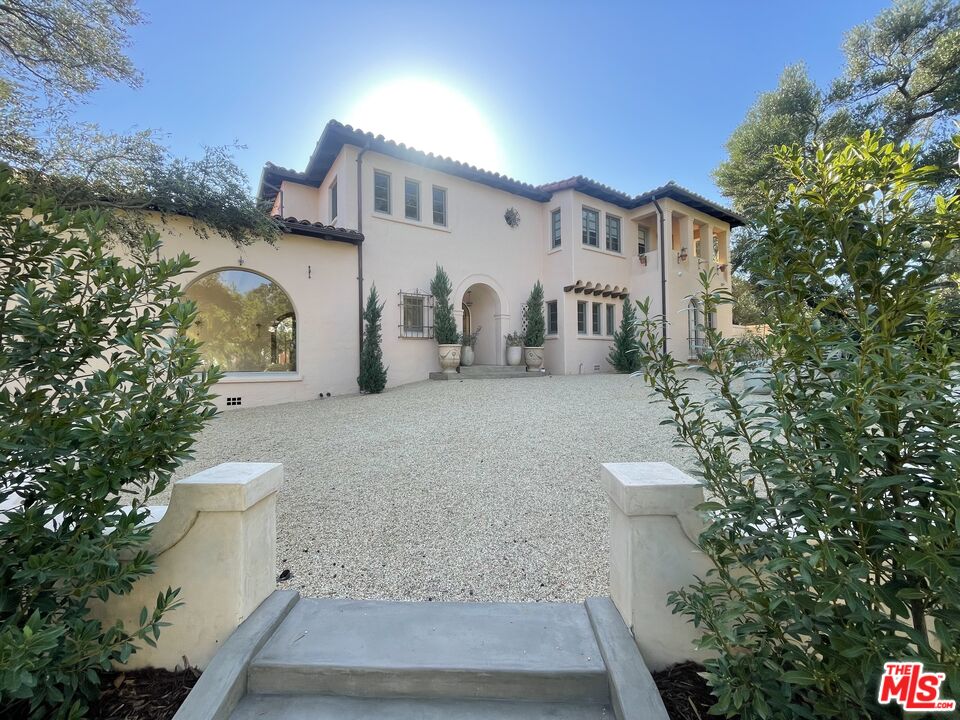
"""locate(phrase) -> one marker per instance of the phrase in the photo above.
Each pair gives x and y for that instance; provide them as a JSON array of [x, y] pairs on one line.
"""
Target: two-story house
[[285, 322]]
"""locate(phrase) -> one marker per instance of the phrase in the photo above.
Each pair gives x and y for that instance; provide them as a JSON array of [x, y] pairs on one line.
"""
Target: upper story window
[[641, 240], [411, 199], [381, 192], [613, 233], [596, 318], [591, 227], [439, 206], [611, 315], [555, 228], [581, 317], [333, 200], [553, 325]]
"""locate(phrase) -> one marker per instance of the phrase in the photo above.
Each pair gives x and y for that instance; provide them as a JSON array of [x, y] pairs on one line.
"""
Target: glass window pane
[[381, 192], [596, 318], [439, 206], [582, 317], [245, 322], [411, 199]]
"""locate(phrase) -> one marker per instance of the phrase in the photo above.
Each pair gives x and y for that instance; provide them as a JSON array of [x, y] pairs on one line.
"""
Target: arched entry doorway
[[482, 308]]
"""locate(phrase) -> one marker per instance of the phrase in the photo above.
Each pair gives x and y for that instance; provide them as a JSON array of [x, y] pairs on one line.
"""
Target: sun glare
[[429, 116]]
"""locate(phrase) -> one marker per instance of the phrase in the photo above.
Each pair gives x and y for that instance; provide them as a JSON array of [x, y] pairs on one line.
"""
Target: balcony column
[[686, 237]]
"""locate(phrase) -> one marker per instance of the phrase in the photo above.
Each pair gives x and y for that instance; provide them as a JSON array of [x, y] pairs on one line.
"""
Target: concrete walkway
[[357, 660]]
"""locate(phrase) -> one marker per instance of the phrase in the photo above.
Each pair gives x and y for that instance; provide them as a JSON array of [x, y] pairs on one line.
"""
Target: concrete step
[[541, 652], [488, 372], [320, 707]]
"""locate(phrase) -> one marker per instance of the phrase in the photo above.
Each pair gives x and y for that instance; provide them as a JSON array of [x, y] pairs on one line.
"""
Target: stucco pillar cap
[[232, 486], [650, 488]]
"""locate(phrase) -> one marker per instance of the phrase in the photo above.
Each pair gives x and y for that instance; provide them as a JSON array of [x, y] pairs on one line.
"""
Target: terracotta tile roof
[[315, 229], [335, 135]]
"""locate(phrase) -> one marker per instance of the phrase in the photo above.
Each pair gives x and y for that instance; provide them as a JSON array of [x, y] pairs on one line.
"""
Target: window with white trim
[[381, 192], [439, 206], [613, 233], [555, 237], [611, 319], [591, 227], [411, 199], [333, 200], [581, 317], [641, 240], [595, 312], [553, 325]]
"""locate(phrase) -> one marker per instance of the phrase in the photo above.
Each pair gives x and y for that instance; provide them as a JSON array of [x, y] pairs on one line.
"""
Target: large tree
[[902, 74], [55, 52]]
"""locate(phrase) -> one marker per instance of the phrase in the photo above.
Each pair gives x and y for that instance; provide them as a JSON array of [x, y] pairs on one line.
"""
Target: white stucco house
[[284, 321]]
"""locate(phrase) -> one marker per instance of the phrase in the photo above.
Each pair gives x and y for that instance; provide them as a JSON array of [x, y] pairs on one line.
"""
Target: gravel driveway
[[463, 490]]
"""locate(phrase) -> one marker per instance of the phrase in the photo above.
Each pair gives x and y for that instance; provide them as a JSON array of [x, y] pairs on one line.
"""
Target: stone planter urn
[[449, 357], [466, 356], [514, 355], [533, 357]]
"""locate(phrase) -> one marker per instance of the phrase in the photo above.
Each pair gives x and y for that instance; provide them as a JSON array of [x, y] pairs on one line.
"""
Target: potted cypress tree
[[536, 329], [444, 324]]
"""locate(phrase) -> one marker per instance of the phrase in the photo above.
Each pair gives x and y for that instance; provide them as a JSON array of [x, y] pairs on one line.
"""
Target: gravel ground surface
[[462, 490]]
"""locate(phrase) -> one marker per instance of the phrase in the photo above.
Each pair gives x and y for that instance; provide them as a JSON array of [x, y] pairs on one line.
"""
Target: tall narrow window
[[591, 227], [641, 240], [596, 318], [333, 201], [613, 233], [415, 316], [552, 322], [581, 317], [611, 315], [381, 192], [555, 228], [439, 206], [411, 199]]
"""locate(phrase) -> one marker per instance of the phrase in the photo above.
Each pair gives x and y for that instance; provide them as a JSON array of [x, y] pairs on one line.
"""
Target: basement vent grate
[[233, 401]]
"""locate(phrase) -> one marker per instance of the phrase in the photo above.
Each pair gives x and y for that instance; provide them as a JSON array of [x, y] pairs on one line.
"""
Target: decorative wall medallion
[[512, 216]]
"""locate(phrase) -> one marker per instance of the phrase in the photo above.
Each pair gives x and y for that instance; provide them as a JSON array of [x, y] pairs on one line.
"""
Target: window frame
[[556, 229], [596, 319], [553, 317], [424, 329], [606, 232], [586, 210], [581, 317], [334, 208], [433, 205], [611, 318], [389, 188], [643, 240], [407, 184]]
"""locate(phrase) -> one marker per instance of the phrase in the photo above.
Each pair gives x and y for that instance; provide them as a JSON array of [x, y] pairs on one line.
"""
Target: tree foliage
[[373, 375], [749, 304], [536, 326], [835, 498], [100, 398], [444, 324], [625, 353], [902, 74], [52, 53]]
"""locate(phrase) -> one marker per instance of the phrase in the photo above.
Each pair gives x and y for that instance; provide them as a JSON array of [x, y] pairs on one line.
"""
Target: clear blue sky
[[631, 94]]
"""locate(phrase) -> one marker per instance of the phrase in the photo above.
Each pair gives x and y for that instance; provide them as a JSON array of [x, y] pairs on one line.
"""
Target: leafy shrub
[[536, 327], [99, 401], [444, 324], [373, 375], [624, 354], [833, 518]]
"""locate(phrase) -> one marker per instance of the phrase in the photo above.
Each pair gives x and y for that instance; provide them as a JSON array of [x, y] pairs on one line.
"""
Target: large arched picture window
[[245, 322]]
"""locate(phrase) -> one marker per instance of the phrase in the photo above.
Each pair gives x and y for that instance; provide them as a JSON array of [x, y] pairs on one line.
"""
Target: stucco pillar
[[458, 317], [653, 551], [502, 321], [686, 240], [217, 542]]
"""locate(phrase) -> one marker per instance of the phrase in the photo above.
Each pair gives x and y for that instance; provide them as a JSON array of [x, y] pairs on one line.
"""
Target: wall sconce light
[[643, 260], [682, 255]]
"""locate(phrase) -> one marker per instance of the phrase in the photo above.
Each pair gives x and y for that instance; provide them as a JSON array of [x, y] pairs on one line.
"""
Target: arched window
[[245, 322], [695, 327]]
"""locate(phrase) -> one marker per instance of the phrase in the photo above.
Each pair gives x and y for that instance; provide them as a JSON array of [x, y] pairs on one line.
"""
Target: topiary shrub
[[373, 375], [624, 353], [536, 327], [834, 512], [100, 398], [444, 324]]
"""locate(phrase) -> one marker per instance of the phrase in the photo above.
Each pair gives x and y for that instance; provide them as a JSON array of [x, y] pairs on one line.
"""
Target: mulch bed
[[685, 694], [144, 694]]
